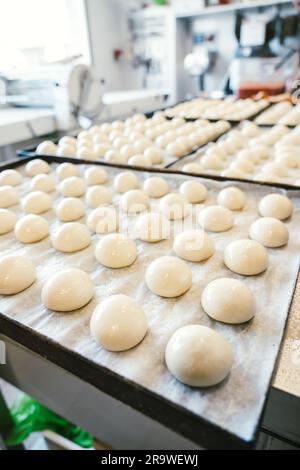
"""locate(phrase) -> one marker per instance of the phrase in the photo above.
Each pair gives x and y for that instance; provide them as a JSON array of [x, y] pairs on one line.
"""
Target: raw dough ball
[[68, 140], [116, 251], [155, 154], [101, 149], [71, 237], [212, 162], [245, 166], [175, 206], [270, 232], [141, 145], [233, 173], [37, 167], [68, 290], [127, 152], [37, 203], [229, 301], [114, 156], [46, 148], [199, 356], [287, 159], [277, 206], [70, 209], [126, 181], [98, 195], [8, 197], [232, 198], [95, 175], [118, 323], [135, 201], [103, 220], [156, 187], [72, 187], [176, 149], [246, 257], [169, 277], [17, 273], [31, 229], [152, 228], [140, 161], [193, 245], [43, 183], [66, 170], [10, 178], [275, 169], [193, 191], [8, 220], [86, 153], [216, 219], [66, 151], [194, 168]]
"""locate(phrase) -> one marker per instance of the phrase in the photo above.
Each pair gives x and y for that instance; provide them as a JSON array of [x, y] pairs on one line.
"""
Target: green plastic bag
[[30, 416]]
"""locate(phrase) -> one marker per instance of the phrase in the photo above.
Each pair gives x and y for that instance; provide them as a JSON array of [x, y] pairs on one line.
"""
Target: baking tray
[[226, 416], [31, 152], [288, 182]]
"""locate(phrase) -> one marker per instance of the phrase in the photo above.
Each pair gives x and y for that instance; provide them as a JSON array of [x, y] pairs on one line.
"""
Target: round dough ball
[[72, 187], [288, 160], [245, 166], [71, 237], [8, 197], [10, 178], [114, 156], [193, 191], [199, 356], [95, 175], [86, 153], [17, 273], [101, 149], [229, 301], [141, 145], [216, 219], [212, 162], [175, 206], [31, 229], [169, 277], [116, 251], [276, 205], [155, 154], [135, 201], [126, 181], [246, 257], [194, 245], [43, 183], [118, 324], [140, 161], [68, 140], [152, 227], [46, 148], [127, 152], [8, 221], [193, 168], [233, 173], [70, 209], [156, 187], [37, 203], [68, 290], [232, 198], [66, 170], [275, 169], [176, 149], [103, 220], [270, 232], [66, 151], [37, 167], [98, 195]]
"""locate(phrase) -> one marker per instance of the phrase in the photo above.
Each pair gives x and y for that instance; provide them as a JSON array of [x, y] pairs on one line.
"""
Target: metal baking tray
[[226, 416]]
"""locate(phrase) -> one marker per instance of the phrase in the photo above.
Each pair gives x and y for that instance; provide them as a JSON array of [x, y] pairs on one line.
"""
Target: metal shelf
[[231, 7]]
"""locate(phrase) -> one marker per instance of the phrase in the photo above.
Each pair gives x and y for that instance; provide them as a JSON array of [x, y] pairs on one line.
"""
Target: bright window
[[34, 32]]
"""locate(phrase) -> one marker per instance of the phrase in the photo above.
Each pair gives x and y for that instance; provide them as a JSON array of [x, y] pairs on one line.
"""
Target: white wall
[[109, 31]]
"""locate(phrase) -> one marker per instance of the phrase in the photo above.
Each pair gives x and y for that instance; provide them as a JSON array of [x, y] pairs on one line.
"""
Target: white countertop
[[18, 124]]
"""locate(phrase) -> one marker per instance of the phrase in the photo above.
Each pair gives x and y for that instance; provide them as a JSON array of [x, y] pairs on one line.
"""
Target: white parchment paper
[[236, 404]]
